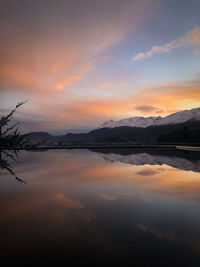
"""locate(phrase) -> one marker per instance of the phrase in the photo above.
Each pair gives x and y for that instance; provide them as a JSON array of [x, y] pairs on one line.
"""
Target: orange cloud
[[19, 79], [86, 67], [170, 97], [165, 99], [35, 49], [60, 83], [35, 54], [31, 65], [106, 85], [195, 36]]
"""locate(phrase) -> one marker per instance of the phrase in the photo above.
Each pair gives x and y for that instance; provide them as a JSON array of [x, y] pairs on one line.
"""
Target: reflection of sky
[[78, 204], [75, 64]]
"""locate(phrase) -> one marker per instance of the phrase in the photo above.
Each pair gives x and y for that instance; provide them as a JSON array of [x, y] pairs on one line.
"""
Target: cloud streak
[[191, 38], [41, 54], [106, 85], [66, 81], [89, 113]]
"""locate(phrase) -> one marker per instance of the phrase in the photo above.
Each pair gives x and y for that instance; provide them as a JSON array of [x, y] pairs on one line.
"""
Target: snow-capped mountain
[[180, 117], [132, 122], [178, 128], [143, 122]]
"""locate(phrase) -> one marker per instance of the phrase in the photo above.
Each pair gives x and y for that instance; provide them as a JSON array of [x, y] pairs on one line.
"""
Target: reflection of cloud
[[67, 202], [107, 197], [80, 169], [159, 234], [191, 38], [87, 217]]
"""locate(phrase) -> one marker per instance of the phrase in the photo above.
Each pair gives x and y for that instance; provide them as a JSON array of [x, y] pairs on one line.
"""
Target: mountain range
[[180, 127], [143, 122]]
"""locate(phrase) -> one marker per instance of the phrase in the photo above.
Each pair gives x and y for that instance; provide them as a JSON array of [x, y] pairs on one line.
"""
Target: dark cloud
[[147, 172], [147, 108]]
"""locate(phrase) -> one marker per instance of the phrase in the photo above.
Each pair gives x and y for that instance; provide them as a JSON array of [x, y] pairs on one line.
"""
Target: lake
[[102, 207]]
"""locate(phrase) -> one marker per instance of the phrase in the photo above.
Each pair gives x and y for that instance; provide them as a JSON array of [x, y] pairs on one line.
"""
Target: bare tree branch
[[10, 136]]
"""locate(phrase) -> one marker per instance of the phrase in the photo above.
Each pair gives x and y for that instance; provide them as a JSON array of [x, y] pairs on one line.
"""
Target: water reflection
[[80, 207], [5, 157], [184, 160]]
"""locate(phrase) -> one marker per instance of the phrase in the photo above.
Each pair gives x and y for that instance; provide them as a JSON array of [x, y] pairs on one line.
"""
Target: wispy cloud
[[66, 81], [191, 38], [159, 234], [106, 85], [34, 53], [86, 67], [107, 197], [165, 99], [67, 202]]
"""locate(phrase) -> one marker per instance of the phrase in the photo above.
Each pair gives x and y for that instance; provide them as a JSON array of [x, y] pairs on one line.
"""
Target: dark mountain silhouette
[[183, 135], [163, 130], [188, 132], [42, 138]]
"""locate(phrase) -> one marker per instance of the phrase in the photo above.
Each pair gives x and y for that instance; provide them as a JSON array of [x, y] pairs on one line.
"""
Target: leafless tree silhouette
[[10, 141], [10, 136]]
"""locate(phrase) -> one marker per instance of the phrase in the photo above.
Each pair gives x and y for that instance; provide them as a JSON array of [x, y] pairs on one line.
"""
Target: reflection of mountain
[[189, 161]]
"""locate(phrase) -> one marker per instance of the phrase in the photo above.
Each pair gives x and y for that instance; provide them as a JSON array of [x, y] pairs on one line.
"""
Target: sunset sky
[[82, 62]]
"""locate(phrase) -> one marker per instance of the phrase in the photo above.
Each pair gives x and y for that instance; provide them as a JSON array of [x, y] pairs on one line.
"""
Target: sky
[[80, 63]]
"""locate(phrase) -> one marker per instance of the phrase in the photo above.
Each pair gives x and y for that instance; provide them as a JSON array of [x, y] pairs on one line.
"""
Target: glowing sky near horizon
[[79, 63]]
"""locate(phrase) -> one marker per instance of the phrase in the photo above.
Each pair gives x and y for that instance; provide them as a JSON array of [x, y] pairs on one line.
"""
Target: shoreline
[[178, 147]]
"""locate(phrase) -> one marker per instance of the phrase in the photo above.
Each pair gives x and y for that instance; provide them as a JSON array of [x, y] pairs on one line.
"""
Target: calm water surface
[[97, 208]]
